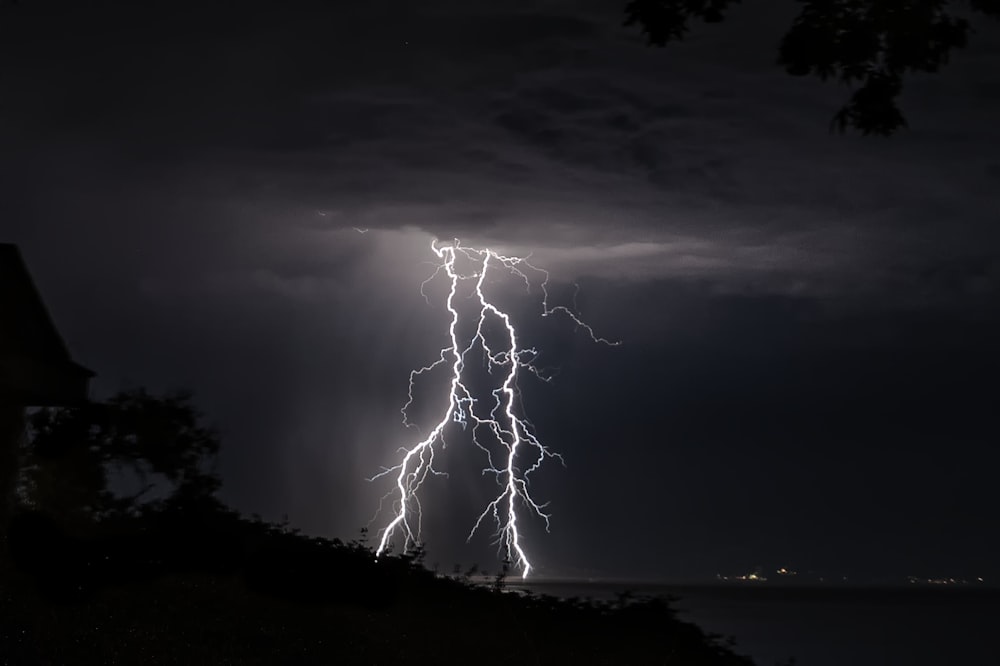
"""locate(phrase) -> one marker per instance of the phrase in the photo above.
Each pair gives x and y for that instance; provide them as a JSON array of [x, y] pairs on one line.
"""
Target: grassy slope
[[294, 600]]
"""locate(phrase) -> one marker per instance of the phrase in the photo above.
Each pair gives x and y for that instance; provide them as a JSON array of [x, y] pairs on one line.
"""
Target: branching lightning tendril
[[504, 421]]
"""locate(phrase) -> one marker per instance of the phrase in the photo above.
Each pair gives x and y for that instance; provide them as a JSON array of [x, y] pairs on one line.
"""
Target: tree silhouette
[[869, 44], [74, 456]]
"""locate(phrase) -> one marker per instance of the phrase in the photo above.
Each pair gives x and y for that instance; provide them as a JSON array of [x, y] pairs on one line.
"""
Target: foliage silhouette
[[870, 44], [73, 454], [288, 598], [183, 579]]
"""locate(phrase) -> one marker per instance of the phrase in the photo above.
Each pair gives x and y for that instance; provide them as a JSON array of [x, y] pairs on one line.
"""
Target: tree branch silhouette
[[868, 44]]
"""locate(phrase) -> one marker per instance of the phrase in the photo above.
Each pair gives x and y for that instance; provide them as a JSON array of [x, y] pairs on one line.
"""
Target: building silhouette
[[36, 368]]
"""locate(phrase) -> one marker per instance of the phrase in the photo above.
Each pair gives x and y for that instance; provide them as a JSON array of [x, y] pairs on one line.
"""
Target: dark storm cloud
[[185, 189], [305, 131]]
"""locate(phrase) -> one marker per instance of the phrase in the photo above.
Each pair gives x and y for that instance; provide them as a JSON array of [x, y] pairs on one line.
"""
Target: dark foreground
[[244, 593]]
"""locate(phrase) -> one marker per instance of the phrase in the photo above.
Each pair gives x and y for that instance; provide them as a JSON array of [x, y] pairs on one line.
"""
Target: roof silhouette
[[35, 365]]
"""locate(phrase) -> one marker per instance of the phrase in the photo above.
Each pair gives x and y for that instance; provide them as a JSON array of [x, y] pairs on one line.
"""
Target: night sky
[[809, 321]]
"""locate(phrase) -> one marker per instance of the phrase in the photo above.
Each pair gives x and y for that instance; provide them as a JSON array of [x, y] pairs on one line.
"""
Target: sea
[[828, 626]]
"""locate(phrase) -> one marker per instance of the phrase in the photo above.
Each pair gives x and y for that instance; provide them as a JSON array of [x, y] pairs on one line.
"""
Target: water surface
[[830, 626]]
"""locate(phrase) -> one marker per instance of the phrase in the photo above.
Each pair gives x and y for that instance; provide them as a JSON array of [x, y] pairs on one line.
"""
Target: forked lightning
[[502, 432]]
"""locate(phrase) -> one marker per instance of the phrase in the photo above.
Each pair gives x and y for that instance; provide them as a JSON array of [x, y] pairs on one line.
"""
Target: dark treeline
[[181, 540], [76, 532], [99, 572]]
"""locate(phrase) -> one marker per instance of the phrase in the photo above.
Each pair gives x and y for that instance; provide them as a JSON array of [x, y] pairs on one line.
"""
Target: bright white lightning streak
[[510, 429]]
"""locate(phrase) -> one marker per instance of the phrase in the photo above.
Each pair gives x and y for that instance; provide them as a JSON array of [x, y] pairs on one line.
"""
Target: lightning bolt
[[504, 426]]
